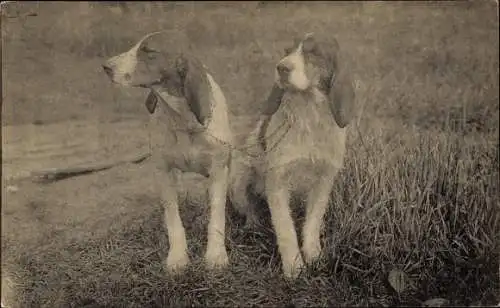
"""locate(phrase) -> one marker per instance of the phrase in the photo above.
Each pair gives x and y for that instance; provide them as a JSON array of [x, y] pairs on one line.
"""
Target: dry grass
[[419, 191]]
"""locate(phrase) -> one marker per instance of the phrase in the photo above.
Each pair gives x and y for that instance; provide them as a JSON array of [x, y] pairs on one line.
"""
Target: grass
[[419, 191]]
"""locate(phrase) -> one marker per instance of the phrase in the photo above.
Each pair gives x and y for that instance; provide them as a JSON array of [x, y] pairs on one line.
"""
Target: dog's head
[[313, 63], [170, 76]]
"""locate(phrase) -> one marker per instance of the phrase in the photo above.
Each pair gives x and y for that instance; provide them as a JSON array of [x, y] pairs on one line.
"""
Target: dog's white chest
[[312, 132], [218, 126], [173, 124]]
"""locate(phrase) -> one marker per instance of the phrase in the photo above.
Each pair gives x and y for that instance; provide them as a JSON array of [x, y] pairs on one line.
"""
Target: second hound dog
[[314, 96]]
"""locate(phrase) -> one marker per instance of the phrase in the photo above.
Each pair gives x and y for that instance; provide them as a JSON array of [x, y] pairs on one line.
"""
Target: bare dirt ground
[[418, 195]]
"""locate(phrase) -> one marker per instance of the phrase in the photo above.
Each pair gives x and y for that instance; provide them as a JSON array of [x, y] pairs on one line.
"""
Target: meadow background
[[418, 195]]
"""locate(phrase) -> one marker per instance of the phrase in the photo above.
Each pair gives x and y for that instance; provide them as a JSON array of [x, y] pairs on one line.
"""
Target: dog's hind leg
[[240, 193]]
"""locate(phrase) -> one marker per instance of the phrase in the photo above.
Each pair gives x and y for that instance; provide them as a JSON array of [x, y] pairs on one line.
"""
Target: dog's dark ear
[[270, 106], [341, 89], [273, 100], [151, 102], [196, 87]]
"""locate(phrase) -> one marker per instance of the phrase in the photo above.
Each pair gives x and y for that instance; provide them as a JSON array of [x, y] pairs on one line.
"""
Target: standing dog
[[314, 95], [190, 110]]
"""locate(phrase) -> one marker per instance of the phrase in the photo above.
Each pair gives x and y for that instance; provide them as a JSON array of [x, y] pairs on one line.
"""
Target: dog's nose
[[283, 68], [108, 70]]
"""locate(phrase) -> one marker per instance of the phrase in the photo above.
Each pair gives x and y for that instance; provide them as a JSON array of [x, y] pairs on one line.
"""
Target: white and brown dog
[[314, 94], [190, 109]]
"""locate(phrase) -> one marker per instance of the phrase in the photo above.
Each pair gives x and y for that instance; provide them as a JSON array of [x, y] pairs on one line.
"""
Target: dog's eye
[[288, 50], [152, 55], [149, 52], [145, 48], [310, 47]]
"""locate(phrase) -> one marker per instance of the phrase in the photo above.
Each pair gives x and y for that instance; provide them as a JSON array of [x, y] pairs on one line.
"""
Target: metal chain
[[202, 129], [246, 147]]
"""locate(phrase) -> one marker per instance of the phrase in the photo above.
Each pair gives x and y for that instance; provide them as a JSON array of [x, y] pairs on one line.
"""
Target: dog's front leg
[[278, 198], [167, 185], [317, 204], [216, 254]]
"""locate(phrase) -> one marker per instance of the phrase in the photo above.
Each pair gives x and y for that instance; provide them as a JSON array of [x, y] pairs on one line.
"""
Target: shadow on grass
[[125, 269]]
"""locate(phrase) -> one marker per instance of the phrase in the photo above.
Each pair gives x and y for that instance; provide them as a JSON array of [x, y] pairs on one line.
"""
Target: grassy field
[[418, 195]]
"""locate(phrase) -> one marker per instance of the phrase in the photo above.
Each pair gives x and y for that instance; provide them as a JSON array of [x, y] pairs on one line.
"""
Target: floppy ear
[[196, 88], [271, 105], [151, 102], [341, 95]]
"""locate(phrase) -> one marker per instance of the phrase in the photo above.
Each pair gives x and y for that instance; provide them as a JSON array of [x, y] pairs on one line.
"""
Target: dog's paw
[[312, 252], [176, 261], [293, 268], [216, 259]]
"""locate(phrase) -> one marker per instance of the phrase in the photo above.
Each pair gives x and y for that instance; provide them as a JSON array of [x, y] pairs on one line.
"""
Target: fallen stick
[[56, 174], [22, 15]]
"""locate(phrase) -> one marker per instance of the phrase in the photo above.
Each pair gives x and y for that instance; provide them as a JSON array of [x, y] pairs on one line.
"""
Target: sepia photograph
[[250, 154]]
